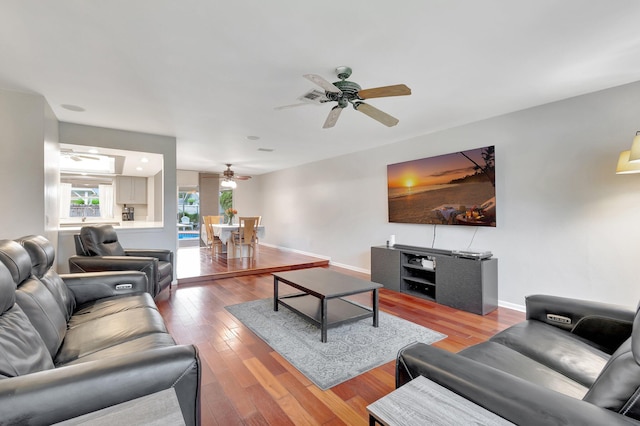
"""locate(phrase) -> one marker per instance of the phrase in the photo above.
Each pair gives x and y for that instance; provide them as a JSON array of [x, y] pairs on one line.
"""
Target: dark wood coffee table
[[321, 301]]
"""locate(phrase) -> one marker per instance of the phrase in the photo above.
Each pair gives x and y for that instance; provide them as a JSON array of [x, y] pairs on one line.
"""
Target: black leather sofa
[[572, 362], [98, 249], [78, 343]]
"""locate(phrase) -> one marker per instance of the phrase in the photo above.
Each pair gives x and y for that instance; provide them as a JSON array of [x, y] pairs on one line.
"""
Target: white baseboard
[[513, 306], [296, 251], [351, 268]]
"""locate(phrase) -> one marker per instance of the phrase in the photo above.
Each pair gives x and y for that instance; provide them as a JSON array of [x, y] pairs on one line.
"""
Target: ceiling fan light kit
[[228, 183], [348, 92], [229, 178]]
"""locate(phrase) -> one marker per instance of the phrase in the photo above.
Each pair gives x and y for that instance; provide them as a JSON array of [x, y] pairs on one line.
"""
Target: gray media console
[[439, 275]]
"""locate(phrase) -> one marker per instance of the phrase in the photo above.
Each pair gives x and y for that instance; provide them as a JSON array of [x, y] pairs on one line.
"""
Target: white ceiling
[[210, 72]]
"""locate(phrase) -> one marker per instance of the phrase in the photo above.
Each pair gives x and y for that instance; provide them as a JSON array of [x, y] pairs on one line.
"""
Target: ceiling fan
[[347, 92], [229, 177], [75, 156]]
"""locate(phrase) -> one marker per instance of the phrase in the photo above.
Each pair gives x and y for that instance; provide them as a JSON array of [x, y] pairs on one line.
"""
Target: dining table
[[223, 231]]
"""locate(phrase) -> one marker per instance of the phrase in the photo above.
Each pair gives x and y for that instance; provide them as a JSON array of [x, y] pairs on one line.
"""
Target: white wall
[[22, 171], [51, 176], [567, 225]]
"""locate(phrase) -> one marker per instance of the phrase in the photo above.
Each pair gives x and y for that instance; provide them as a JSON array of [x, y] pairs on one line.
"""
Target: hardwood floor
[[244, 382]]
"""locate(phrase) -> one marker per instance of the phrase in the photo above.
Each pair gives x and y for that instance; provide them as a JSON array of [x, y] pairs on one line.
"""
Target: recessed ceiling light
[[253, 138], [144, 160], [74, 108], [139, 168], [93, 151]]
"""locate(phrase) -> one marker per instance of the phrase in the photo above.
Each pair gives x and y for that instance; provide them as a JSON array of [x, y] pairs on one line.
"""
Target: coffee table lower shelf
[[339, 311]]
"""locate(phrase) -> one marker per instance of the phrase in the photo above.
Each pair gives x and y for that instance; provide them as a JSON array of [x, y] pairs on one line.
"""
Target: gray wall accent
[[157, 196], [209, 189], [166, 237], [567, 224]]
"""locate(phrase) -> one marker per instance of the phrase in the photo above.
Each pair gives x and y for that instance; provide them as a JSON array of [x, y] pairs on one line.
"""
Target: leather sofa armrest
[[90, 286], [70, 391], [148, 265], [605, 324], [510, 397], [160, 254]]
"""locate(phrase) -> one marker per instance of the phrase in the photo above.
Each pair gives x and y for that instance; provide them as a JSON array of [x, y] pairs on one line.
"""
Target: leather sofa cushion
[[21, 348], [512, 362], [101, 240], [113, 305], [44, 312], [108, 331], [617, 386], [560, 350], [144, 343], [22, 351]]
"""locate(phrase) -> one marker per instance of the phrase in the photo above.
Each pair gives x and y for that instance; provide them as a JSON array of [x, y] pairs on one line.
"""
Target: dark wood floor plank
[[245, 382]]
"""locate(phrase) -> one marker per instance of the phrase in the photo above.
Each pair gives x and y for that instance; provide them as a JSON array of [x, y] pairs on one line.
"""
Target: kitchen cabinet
[[131, 190]]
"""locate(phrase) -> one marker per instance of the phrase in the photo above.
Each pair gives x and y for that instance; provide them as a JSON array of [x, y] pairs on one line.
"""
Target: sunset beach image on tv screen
[[451, 189]]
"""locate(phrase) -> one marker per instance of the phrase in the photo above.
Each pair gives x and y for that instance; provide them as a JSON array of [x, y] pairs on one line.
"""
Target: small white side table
[[423, 402]]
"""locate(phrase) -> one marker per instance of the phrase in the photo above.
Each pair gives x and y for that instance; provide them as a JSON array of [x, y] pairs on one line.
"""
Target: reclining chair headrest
[[101, 240], [635, 337], [41, 252], [7, 290], [16, 259]]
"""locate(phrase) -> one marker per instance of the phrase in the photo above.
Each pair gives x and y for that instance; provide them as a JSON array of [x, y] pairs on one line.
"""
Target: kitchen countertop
[[120, 225]]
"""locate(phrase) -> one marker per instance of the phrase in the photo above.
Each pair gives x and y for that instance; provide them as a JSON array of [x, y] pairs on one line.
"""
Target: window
[[85, 202]]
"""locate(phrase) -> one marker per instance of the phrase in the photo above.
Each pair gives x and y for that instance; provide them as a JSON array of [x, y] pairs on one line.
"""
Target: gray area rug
[[352, 348]]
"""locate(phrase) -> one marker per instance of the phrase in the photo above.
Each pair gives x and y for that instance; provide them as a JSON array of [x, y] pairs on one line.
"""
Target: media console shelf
[[439, 275]]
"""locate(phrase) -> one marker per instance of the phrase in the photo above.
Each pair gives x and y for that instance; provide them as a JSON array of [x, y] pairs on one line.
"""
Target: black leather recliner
[[98, 249], [572, 362]]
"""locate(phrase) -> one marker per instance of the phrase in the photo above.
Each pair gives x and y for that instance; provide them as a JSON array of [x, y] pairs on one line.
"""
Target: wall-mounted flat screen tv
[[452, 189]]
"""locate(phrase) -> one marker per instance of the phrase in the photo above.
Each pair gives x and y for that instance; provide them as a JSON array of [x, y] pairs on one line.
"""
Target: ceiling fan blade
[[291, 106], [332, 118], [376, 114], [382, 92], [242, 177], [329, 87], [87, 157]]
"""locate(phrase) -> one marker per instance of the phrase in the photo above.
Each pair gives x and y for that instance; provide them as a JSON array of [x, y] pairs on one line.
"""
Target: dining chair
[[258, 224], [246, 235], [213, 242]]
